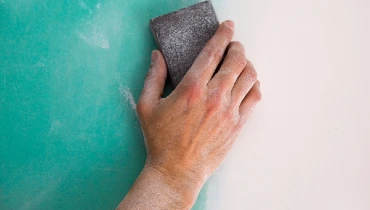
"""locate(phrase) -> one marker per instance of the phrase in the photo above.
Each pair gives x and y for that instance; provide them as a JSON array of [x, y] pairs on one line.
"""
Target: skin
[[189, 133]]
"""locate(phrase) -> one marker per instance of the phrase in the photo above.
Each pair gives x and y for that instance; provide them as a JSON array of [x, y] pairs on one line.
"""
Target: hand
[[189, 133]]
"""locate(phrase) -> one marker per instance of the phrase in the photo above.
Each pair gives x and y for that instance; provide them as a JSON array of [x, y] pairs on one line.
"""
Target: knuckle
[[224, 85], [214, 51], [255, 95], [252, 74], [215, 101], [213, 107], [230, 114], [141, 108], [193, 93], [239, 58], [258, 96], [215, 104], [229, 76]]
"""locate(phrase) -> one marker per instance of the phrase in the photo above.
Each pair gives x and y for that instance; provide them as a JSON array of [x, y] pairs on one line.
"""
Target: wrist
[[184, 184]]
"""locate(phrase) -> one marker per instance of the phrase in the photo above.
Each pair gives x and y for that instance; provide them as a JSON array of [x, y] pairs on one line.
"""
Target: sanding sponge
[[181, 35]]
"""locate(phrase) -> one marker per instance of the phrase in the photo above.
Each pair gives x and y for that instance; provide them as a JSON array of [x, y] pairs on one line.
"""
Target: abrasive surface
[[181, 35]]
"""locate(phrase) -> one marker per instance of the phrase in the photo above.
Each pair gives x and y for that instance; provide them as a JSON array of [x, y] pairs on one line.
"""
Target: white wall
[[307, 147]]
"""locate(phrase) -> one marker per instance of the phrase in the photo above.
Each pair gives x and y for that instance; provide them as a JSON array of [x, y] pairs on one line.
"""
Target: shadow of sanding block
[[181, 35]]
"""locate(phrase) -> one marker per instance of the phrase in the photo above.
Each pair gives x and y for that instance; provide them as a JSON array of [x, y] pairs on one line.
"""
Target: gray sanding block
[[181, 35]]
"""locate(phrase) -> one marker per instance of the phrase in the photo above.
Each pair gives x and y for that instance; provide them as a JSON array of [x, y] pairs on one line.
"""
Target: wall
[[308, 144], [71, 72]]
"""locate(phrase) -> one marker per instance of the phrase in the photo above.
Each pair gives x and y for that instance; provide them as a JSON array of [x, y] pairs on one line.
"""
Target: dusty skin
[[189, 133]]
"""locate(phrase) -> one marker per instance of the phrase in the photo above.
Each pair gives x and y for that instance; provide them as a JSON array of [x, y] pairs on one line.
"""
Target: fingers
[[211, 55], [154, 83], [244, 84], [231, 68], [250, 101]]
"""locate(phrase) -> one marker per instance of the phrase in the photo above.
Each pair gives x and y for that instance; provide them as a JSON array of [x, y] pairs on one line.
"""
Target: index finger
[[209, 58]]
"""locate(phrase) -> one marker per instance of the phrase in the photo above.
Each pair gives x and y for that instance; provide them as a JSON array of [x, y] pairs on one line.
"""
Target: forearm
[[155, 190]]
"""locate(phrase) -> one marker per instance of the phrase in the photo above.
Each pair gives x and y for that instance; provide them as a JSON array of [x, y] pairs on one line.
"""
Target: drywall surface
[[308, 144], [70, 74], [71, 71]]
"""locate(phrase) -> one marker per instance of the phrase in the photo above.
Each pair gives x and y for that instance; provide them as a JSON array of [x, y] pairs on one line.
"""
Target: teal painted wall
[[70, 72]]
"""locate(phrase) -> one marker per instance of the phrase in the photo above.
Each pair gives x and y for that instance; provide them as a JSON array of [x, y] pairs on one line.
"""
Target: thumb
[[155, 80]]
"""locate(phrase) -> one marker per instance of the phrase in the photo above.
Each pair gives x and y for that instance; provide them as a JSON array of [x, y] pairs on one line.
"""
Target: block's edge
[[154, 33], [185, 8]]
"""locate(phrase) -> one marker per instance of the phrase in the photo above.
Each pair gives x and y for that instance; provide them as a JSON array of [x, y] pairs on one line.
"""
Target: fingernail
[[230, 24], [154, 56]]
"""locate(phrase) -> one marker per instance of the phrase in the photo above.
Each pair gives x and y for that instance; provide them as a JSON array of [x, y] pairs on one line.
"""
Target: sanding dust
[[94, 38], [127, 94], [92, 31], [84, 6]]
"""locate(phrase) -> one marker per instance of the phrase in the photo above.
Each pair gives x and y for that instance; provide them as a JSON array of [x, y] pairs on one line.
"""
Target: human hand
[[189, 133]]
